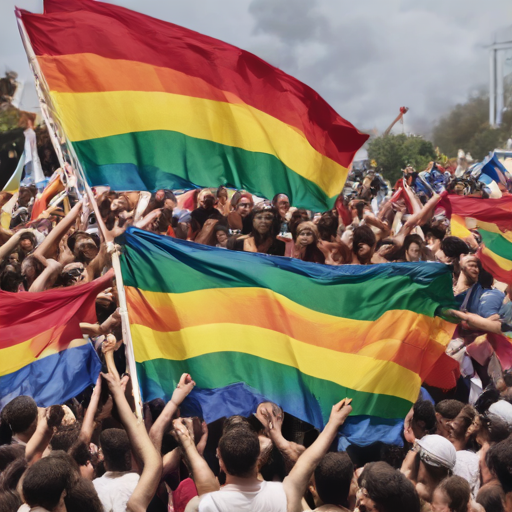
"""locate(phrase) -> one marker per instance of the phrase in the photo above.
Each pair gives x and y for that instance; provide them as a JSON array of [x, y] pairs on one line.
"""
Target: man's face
[[413, 252], [470, 268], [159, 196], [283, 205], [262, 222], [244, 207], [305, 237]]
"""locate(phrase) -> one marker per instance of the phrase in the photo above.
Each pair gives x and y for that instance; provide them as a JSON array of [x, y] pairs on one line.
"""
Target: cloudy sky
[[365, 57]]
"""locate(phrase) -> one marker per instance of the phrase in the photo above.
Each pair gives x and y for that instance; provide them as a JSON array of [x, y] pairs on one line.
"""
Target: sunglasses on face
[[75, 272]]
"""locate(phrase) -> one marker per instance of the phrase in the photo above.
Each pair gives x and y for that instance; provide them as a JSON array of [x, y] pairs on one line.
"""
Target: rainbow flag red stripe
[[180, 108]]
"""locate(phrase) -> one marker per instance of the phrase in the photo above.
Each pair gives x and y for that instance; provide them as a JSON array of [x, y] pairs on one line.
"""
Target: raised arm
[[50, 244], [201, 473], [11, 244], [48, 276], [295, 484], [88, 423], [163, 422], [37, 444], [142, 448]]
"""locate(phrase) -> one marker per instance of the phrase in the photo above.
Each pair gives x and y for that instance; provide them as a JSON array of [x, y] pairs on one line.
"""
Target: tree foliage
[[395, 152], [467, 127]]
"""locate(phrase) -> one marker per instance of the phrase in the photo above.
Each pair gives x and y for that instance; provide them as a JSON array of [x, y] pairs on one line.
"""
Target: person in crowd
[[206, 209], [452, 495], [265, 228], [420, 421], [306, 240], [281, 203], [498, 460], [446, 411]]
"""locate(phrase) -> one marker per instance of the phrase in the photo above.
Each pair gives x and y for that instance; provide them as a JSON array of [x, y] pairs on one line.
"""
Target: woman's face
[[223, 196], [221, 237], [262, 222], [28, 269], [26, 244], [283, 205], [87, 247], [305, 237], [244, 207], [440, 501], [14, 257], [413, 252]]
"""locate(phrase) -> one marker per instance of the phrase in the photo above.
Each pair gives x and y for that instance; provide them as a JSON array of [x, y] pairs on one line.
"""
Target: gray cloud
[[366, 58]]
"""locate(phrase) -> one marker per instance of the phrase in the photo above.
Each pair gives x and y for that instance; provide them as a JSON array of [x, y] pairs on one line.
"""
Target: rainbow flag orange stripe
[[296, 333], [180, 109]]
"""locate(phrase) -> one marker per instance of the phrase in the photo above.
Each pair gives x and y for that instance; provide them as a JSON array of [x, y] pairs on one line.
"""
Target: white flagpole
[[54, 129]]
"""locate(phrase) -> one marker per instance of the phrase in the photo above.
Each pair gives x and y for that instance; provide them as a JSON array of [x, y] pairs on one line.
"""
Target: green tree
[[466, 127], [395, 152]]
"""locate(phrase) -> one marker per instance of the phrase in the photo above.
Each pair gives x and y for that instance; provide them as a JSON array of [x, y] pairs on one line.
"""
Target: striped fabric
[[149, 105]]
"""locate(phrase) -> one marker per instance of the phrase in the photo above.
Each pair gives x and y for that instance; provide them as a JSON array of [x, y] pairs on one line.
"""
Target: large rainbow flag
[[148, 105], [250, 327], [494, 223], [42, 351]]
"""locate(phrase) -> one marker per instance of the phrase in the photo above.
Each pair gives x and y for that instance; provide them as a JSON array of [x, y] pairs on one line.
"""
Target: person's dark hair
[[82, 497], [13, 473], [115, 446], [298, 216], [9, 453], [235, 421], [164, 221], [10, 276], [491, 497], [65, 437], [10, 501], [468, 413], [333, 477], [449, 408], [435, 232], [16, 417], [453, 246], [221, 227], [388, 488], [485, 278], [498, 461], [363, 235], [45, 481], [497, 428], [239, 449], [424, 411], [457, 491], [80, 453], [327, 226], [82, 234]]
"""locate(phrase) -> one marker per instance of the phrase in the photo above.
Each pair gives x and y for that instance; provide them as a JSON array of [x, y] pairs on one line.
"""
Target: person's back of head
[[333, 477], [19, 416], [116, 449], [449, 408], [82, 497], [389, 489], [498, 460], [453, 246], [492, 498], [65, 437], [9, 453], [424, 417], [13, 473], [239, 449], [45, 482], [453, 492], [10, 501]]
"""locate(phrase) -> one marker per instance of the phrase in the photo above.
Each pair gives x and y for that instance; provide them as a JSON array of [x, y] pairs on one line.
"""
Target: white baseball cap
[[437, 451]]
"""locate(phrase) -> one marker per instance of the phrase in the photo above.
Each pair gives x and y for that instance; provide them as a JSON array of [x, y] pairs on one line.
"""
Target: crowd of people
[[92, 454]]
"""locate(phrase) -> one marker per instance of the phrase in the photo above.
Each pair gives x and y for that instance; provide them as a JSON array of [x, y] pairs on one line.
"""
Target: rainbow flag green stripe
[[140, 161], [182, 82], [497, 243], [300, 334]]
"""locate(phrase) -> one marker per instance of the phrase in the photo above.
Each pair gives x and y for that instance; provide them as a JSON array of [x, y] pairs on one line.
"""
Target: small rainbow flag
[[42, 351], [494, 223], [149, 105], [251, 327]]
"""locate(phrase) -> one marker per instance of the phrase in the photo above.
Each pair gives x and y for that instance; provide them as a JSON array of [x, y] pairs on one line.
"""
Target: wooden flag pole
[[54, 129]]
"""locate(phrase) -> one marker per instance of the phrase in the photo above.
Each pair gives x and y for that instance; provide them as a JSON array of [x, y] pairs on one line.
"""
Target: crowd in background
[[92, 454]]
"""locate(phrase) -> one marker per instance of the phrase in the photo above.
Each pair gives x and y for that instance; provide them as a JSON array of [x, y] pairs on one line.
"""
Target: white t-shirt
[[255, 497], [468, 467], [114, 489]]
